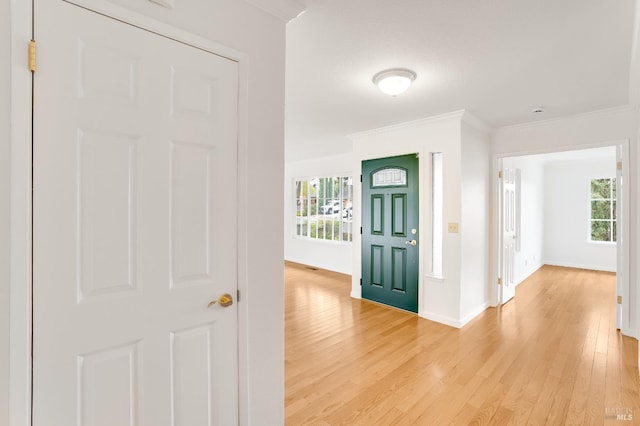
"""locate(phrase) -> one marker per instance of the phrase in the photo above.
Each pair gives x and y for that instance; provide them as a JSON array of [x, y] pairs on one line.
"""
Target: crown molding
[[422, 121], [579, 116], [285, 10]]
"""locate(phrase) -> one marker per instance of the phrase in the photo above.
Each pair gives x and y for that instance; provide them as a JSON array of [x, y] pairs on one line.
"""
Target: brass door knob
[[412, 242], [224, 301]]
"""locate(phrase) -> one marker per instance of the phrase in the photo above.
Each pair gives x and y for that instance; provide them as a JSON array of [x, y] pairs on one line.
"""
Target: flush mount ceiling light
[[395, 81]]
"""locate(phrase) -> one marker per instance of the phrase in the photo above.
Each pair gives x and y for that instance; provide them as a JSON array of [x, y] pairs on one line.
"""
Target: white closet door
[[135, 158]]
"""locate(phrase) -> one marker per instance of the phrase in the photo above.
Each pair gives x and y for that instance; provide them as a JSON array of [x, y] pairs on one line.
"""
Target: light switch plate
[[453, 228]]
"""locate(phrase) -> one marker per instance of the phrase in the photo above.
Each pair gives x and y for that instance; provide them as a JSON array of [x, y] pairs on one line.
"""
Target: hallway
[[550, 356]]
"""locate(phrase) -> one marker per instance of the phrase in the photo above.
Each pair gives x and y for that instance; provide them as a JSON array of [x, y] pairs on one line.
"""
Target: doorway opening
[[564, 208]]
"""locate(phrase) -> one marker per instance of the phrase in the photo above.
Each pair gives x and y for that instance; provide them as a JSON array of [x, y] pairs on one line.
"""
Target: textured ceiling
[[495, 58]]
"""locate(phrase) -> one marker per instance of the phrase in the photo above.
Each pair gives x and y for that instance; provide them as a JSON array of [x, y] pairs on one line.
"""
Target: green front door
[[390, 231]]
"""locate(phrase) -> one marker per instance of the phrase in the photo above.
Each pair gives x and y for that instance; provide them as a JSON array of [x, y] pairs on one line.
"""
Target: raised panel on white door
[[191, 213], [108, 387], [192, 94], [106, 73], [107, 219], [192, 381]]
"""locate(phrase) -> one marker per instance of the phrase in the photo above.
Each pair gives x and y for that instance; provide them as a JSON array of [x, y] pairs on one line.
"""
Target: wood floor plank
[[550, 356]]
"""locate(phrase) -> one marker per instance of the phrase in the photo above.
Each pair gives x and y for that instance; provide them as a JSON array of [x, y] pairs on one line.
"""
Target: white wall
[[261, 37], [529, 258], [332, 255], [5, 206], [580, 131], [476, 191], [438, 299], [567, 212]]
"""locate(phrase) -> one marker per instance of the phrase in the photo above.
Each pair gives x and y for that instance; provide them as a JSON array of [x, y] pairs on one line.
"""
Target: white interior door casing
[[622, 245], [507, 233], [135, 158]]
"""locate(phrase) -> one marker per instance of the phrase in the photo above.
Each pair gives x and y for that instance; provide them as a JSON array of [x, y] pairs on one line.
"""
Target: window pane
[[613, 188], [600, 210], [600, 231], [323, 208], [389, 177], [603, 210], [615, 232], [600, 188], [302, 226]]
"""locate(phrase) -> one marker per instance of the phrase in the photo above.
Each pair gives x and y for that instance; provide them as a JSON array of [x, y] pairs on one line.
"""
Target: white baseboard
[[319, 265], [474, 313], [580, 266], [455, 322], [528, 273], [451, 322]]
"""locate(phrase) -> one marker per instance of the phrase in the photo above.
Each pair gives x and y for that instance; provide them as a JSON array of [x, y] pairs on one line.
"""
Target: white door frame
[[622, 246], [21, 183], [20, 240]]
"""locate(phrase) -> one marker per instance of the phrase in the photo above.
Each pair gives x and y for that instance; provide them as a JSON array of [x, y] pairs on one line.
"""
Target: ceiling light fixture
[[394, 81]]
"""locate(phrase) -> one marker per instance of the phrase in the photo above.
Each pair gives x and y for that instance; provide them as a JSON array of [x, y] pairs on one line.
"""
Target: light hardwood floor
[[550, 356]]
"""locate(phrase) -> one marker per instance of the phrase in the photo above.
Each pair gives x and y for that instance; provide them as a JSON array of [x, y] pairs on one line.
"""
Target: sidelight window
[[437, 221]]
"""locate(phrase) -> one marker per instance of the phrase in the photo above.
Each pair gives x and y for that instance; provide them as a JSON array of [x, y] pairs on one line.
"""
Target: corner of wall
[[475, 256], [285, 10], [634, 74], [476, 123], [442, 319], [474, 312], [5, 208]]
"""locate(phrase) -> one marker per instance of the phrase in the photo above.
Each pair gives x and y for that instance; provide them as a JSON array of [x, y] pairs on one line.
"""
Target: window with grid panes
[[324, 208], [603, 210]]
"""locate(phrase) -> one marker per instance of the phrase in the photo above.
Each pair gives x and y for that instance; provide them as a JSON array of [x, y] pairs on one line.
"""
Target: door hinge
[[361, 230], [32, 56], [360, 178], [360, 282], [499, 281], [500, 174], [619, 165], [238, 295], [619, 300]]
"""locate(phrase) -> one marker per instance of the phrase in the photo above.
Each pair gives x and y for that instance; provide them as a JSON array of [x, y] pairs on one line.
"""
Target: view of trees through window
[[603, 209], [324, 208]]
